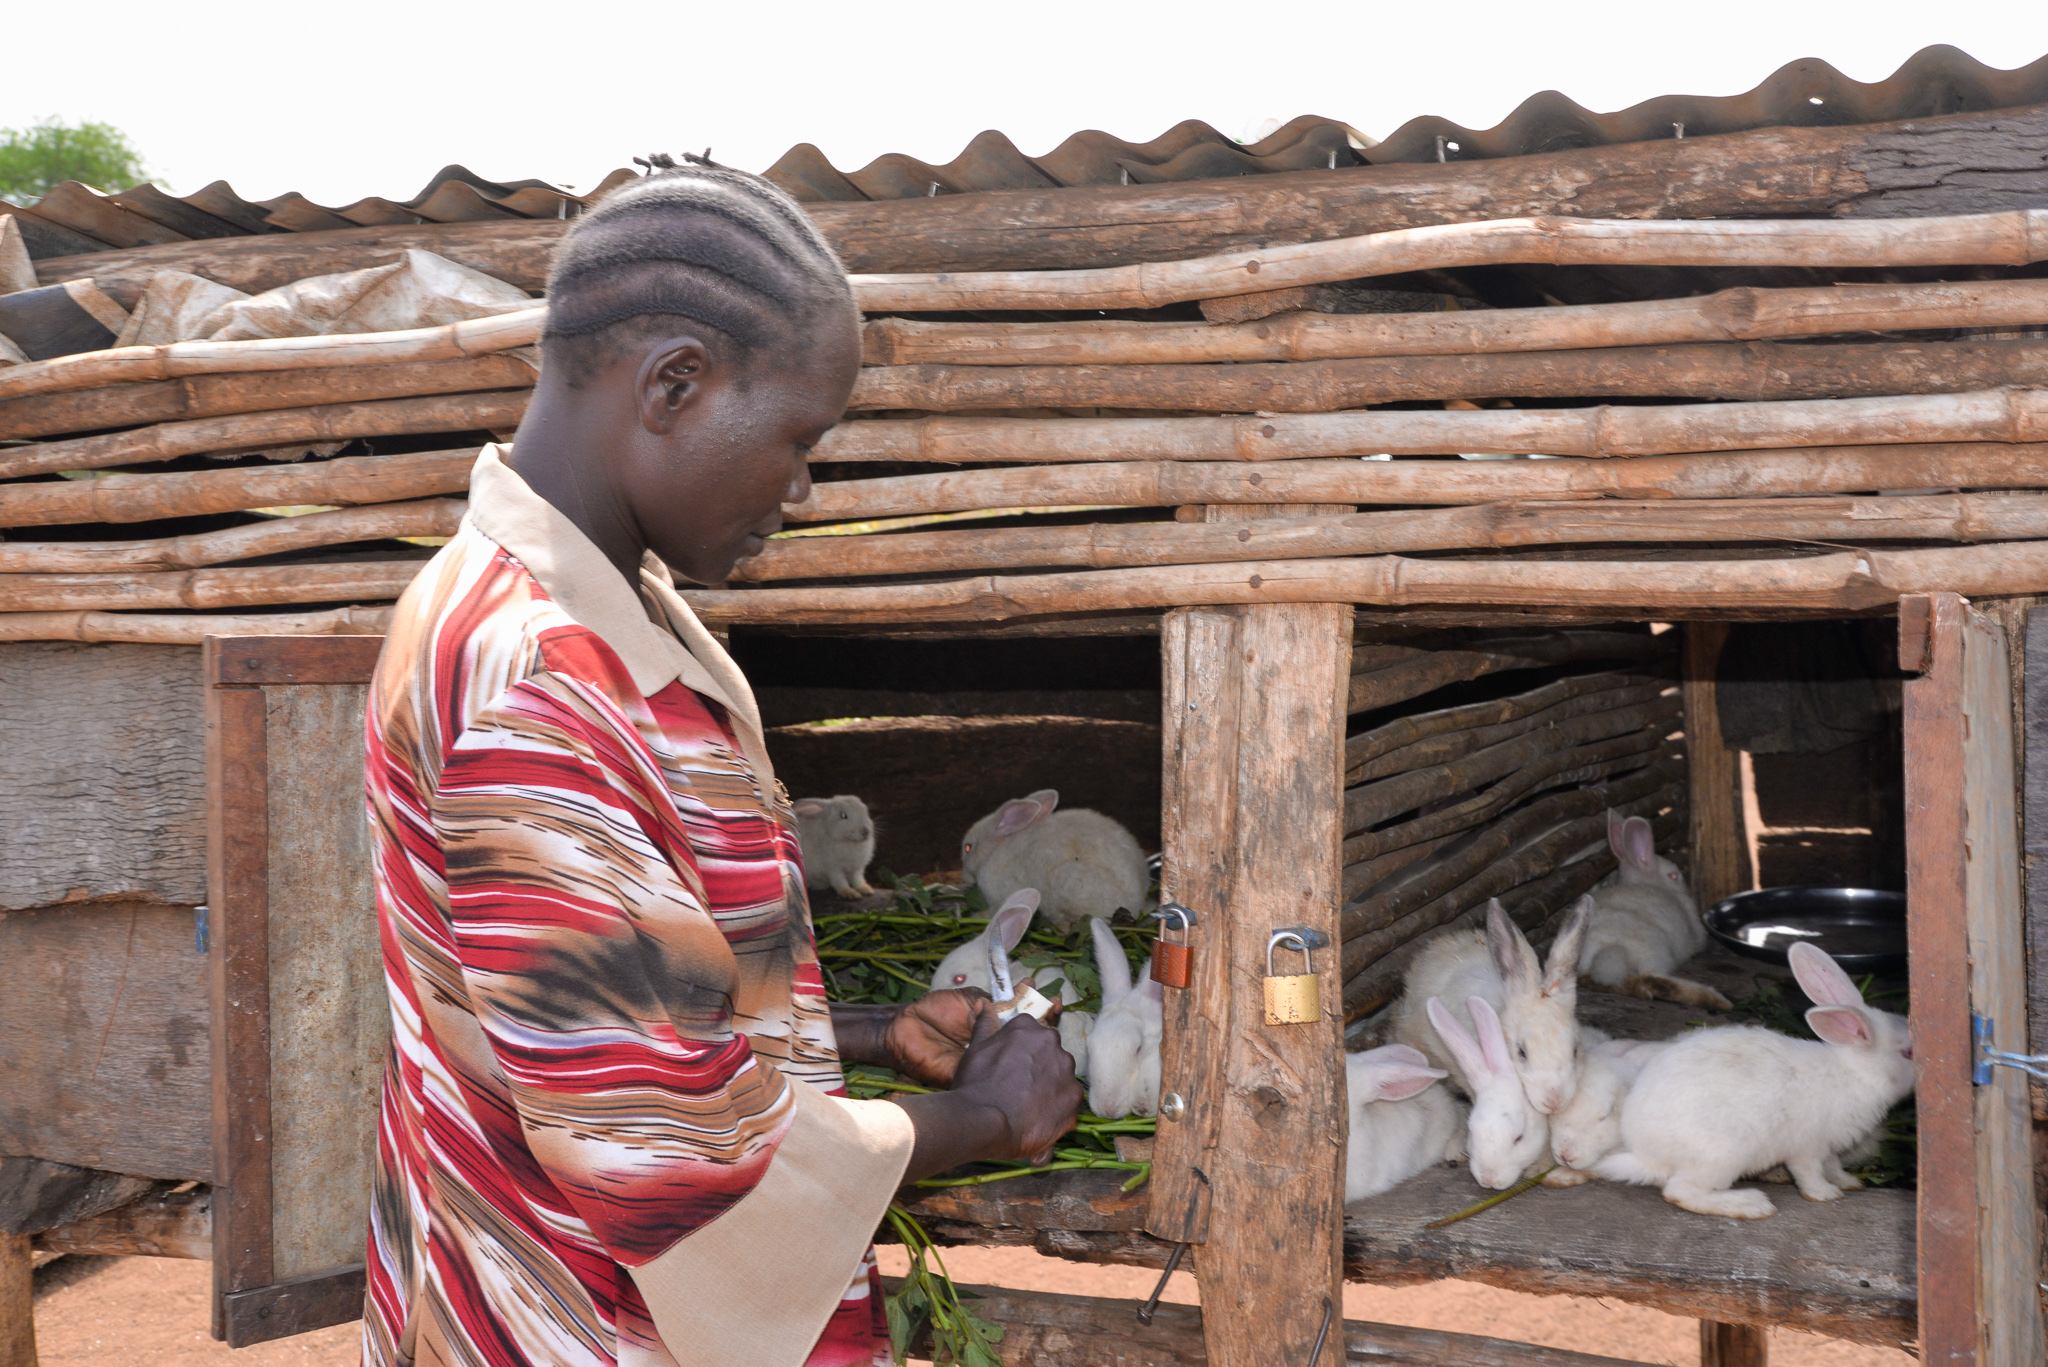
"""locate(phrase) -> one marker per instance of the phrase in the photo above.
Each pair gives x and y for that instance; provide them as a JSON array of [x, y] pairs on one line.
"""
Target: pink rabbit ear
[[1846, 1025], [1561, 974], [1493, 1041], [1821, 978], [1399, 1053], [1614, 825], [1015, 815], [1399, 1081], [1512, 956], [1013, 917], [808, 806], [1463, 1047], [1639, 842]]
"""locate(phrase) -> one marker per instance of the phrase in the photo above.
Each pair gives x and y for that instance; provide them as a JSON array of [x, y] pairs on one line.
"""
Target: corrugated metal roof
[[74, 219]]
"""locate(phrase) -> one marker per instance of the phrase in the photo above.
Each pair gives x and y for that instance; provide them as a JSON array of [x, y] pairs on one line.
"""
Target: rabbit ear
[[1846, 1025], [1561, 973], [1149, 987], [1614, 825], [1013, 917], [1015, 815], [1463, 1047], [1399, 1081], [808, 806], [1493, 1041], [1821, 977], [1511, 952], [1639, 845], [1110, 962], [1397, 1053]]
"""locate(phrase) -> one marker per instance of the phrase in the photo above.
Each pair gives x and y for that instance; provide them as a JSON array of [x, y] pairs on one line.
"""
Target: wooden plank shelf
[[1844, 1269]]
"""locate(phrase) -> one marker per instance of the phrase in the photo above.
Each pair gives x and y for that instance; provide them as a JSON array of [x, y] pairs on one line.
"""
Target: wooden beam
[[1713, 370], [1745, 313], [170, 1224], [186, 629], [297, 1305], [1717, 844], [1734, 1345], [2033, 649], [1978, 1236], [209, 589], [17, 1302], [1049, 1330], [1254, 716]]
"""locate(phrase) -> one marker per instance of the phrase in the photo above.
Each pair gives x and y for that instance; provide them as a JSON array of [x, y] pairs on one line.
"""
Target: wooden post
[[1979, 1259], [1254, 714], [17, 1302], [1719, 847], [1734, 1345]]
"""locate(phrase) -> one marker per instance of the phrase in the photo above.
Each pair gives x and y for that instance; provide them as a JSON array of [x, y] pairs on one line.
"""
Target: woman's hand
[[926, 1039], [1014, 1094]]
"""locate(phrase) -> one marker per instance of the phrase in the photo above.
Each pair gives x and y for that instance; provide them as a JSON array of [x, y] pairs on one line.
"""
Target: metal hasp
[[1173, 961], [1983, 1030], [1294, 998]]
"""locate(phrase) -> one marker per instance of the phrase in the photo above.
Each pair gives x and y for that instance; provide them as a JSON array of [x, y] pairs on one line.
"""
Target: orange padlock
[[1173, 961]]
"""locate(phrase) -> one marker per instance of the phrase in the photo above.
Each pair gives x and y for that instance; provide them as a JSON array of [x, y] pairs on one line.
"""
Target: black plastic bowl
[[1862, 929]]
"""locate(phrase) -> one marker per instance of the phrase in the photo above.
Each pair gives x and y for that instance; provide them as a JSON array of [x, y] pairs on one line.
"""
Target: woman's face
[[709, 489]]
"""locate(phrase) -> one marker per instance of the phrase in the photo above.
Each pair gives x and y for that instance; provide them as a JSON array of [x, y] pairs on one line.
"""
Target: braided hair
[[722, 248]]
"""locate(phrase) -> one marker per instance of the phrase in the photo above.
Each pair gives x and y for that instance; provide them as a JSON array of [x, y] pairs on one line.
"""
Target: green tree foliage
[[34, 160]]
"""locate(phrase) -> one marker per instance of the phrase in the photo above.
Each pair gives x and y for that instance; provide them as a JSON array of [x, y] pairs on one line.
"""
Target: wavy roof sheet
[[73, 218]]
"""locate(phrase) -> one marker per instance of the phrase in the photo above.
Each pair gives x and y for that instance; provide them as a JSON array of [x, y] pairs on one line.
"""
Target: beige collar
[[653, 631]]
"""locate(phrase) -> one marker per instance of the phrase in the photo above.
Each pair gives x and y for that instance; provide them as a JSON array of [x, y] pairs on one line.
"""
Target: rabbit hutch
[[1359, 523]]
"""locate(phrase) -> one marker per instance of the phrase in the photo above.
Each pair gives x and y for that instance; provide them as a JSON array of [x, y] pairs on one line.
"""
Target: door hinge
[[1983, 1058]]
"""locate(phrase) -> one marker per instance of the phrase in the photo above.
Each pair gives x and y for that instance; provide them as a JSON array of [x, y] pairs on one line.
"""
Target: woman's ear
[[671, 378]]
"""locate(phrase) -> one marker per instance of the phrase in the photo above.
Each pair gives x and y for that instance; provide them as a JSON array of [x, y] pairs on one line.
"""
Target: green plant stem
[[1526, 1184]]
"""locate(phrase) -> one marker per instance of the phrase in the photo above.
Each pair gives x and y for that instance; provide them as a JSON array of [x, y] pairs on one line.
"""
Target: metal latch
[[1983, 1058]]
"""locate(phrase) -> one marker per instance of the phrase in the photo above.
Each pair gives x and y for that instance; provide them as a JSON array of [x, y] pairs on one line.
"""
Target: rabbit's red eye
[[959, 978]]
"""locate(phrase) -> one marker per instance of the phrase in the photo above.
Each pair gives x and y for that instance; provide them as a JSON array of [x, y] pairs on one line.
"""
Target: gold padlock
[[1294, 998]]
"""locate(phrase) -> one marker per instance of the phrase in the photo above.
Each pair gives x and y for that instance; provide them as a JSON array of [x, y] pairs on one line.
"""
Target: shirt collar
[[649, 626]]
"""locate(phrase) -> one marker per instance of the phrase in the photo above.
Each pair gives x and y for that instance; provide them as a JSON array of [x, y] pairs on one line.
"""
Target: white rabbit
[[1535, 1005], [1644, 923], [838, 841], [1084, 863], [1123, 1047], [969, 966], [1539, 1006], [1401, 1123], [1504, 1132], [1723, 1103], [1589, 1126]]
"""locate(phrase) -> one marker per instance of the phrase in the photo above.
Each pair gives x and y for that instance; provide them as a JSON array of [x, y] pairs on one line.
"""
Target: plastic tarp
[[418, 290]]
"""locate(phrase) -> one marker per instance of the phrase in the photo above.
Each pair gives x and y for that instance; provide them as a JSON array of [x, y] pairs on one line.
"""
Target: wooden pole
[[232, 587], [187, 629], [428, 517], [1993, 415], [1718, 844], [1734, 1345], [126, 365], [17, 1302], [210, 396], [1742, 314], [1156, 484], [1750, 371], [492, 412], [192, 493], [2014, 237]]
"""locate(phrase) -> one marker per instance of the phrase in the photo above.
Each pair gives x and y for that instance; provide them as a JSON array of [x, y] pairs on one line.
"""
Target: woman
[[613, 1127]]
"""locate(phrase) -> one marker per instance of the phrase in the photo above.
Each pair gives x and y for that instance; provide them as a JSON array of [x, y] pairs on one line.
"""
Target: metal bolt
[[1172, 1106]]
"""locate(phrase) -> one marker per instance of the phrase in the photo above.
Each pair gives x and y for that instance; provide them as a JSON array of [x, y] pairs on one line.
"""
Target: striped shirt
[[613, 1127]]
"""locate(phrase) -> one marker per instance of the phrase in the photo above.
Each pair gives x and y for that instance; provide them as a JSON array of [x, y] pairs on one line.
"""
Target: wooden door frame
[[249, 1304]]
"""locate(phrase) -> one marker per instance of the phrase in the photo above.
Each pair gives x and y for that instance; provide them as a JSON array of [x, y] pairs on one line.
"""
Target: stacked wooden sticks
[[1694, 498]]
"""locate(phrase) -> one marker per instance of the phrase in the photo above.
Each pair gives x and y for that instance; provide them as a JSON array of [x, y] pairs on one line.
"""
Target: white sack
[[175, 308], [418, 290]]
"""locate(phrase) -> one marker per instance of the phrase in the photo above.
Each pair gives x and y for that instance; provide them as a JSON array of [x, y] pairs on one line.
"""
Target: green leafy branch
[[929, 1300]]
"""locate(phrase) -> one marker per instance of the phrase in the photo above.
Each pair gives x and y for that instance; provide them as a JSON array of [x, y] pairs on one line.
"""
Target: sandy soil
[[152, 1312]]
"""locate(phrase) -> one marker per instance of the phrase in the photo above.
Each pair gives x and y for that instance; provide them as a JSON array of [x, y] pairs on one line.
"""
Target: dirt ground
[[152, 1312]]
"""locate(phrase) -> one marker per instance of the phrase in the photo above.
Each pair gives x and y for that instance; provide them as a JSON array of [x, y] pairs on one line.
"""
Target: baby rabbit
[[1644, 923], [838, 842], [1401, 1123], [1083, 863], [1123, 1046], [1505, 1134], [1536, 1007], [1589, 1126], [971, 965], [1723, 1103]]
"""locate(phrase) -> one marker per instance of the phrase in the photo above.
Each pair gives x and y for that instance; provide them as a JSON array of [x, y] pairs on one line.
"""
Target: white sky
[[373, 96]]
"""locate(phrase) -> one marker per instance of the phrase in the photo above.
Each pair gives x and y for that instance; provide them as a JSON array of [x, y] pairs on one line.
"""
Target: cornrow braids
[[724, 249]]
